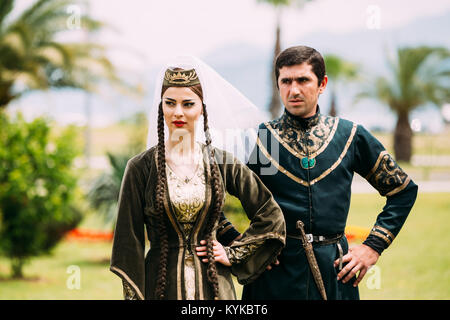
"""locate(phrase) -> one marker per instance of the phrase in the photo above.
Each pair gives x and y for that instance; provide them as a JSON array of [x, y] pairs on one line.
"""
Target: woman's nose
[[178, 112]]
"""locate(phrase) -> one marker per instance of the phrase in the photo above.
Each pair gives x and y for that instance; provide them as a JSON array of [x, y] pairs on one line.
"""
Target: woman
[[177, 190]]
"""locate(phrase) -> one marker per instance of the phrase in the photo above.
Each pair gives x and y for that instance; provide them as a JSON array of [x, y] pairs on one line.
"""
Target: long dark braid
[[160, 194], [217, 195]]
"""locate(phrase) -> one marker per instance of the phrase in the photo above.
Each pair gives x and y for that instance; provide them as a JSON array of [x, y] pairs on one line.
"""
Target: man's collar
[[301, 123]]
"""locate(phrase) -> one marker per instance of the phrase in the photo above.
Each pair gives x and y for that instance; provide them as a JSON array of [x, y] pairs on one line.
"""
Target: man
[[315, 157]]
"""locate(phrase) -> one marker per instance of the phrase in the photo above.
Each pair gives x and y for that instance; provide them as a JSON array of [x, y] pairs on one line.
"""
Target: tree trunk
[[333, 111], [275, 105], [17, 268], [403, 138], [5, 95]]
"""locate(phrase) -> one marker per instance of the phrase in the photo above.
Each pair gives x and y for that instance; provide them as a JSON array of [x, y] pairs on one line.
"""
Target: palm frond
[[104, 193], [6, 7], [418, 76], [338, 68]]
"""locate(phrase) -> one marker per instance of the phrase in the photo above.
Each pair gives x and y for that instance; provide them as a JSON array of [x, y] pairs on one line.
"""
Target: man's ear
[[323, 84]]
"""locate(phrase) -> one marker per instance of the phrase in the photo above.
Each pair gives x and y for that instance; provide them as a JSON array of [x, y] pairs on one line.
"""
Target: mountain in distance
[[248, 68]]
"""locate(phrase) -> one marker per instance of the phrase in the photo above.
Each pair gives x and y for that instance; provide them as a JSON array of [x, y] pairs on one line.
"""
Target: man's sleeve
[[378, 167]]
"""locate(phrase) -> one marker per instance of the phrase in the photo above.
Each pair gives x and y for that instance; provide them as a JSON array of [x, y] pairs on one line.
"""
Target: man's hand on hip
[[359, 258]]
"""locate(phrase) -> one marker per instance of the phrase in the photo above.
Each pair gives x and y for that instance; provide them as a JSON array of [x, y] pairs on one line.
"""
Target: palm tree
[[275, 105], [338, 70], [104, 193], [418, 76], [31, 57]]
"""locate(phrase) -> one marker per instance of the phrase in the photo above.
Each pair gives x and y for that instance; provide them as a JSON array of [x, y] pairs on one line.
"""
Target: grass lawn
[[416, 266]]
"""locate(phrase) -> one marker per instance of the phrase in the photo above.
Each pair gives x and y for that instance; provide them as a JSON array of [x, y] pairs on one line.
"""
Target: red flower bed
[[352, 233], [89, 235]]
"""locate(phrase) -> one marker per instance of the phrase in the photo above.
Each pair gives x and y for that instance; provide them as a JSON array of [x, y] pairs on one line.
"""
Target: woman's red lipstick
[[179, 123]]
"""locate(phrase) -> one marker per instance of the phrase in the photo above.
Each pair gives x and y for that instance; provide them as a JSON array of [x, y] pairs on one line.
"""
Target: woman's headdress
[[180, 78], [233, 119]]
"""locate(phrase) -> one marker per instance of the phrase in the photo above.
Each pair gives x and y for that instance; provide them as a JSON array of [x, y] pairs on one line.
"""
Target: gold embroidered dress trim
[[201, 219], [171, 215], [323, 175], [127, 279], [128, 292], [187, 197], [240, 254]]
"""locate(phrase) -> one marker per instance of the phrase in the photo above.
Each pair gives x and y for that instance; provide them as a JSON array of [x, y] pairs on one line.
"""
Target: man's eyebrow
[[295, 78], [303, 78]]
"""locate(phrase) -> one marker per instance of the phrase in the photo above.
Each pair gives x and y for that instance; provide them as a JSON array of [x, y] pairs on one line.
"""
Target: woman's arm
[[265, 237]]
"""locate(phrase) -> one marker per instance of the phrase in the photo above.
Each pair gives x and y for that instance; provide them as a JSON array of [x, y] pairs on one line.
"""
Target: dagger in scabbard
[[311, 259]]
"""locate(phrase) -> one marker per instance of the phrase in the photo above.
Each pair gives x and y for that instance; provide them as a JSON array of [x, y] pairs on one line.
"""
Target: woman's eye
[[170, 103], [189, 104]]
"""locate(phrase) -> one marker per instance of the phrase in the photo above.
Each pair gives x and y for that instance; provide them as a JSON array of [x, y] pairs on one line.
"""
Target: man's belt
[[323, 240], [318, 239]]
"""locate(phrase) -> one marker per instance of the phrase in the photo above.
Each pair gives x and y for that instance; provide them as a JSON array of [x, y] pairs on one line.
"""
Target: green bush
[[38, 188], [235, 213]]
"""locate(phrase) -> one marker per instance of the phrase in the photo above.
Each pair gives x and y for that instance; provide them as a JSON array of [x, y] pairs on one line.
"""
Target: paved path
[[362, 186], [359, 185]]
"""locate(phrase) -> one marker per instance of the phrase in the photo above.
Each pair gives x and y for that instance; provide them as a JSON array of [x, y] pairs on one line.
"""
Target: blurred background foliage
[[38, 188], [33, 55], [104, 193]]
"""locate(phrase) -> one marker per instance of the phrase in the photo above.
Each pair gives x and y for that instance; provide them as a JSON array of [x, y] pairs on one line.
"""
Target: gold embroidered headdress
[[180, 78]]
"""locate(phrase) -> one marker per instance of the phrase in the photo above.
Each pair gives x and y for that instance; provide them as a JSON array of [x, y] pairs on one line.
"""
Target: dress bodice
[[187, 196]]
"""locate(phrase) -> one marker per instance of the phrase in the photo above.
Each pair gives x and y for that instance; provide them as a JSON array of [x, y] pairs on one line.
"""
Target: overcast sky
[[154, 30], [162, 28], [157, 29]]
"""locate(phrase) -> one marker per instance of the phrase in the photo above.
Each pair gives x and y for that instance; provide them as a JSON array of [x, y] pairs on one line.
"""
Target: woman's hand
[[219, 253]]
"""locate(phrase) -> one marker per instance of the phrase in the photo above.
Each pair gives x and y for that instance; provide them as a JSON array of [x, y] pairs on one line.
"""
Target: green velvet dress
[[250, 255], [308, 165]]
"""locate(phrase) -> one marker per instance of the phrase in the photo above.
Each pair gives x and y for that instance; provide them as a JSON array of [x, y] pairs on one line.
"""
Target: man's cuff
[[375, 243], [379, 239]]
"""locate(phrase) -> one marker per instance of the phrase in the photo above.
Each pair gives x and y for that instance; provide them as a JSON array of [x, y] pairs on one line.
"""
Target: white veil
[[232, 119]]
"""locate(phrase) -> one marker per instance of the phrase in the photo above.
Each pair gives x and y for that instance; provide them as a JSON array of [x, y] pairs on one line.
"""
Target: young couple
[[294, 186]]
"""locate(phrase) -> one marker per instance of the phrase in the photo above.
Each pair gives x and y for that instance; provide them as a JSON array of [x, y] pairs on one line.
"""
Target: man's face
[[299, 89]]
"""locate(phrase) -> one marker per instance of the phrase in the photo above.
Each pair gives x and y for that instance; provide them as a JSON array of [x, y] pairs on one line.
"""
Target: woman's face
[[181, 108]]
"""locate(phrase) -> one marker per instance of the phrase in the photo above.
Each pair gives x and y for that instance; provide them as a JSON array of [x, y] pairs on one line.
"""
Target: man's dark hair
[[297, 55]]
